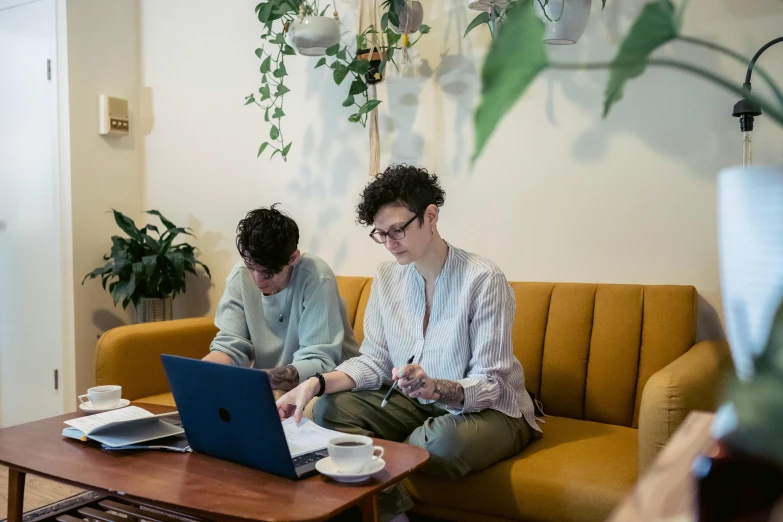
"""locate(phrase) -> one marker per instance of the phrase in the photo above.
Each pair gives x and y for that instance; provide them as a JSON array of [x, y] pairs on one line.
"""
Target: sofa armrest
[[690, 382], [130, 355]]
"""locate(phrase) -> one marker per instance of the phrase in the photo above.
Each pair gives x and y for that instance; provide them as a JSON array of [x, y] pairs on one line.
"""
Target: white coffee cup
[[350, 453], [102, 396]]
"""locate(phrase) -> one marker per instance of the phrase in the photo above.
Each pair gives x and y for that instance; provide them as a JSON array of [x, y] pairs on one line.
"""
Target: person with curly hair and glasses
[[281, 311], [438, 321]]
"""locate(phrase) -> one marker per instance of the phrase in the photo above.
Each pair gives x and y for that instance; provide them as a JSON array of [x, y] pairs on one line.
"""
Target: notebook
[[123, 427]]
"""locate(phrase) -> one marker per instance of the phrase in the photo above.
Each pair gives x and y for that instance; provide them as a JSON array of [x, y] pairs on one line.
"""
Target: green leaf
[[333, 50], [205, 267], [274, 132], [266, 65], [348, 101], [278, 113], [149, 262], [259, 52], [339, 74], [324, 12], [286, 149], [122, 290], [603, 4], [276, 151], [514, 60], [265, 94], [369, 106], [288, 50], [265, 11], [656, 26], [482, 18], [152, 243], [154, 228], [263, 78], [279, 39], [261, 149], [357, 86], [353, 118], [281, 90], [385, 21], [424, 29], [359, 66], [177, 262], [280, 71], [340, 54], [321, 62], [250, 99], [127, 225], [394, 19]]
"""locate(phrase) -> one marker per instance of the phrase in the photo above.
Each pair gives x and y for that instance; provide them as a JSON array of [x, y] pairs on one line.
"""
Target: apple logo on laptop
[[224, 415]]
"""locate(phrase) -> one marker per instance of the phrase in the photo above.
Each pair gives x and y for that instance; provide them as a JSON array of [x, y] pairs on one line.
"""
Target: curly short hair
[[408, 186], [267, 238]]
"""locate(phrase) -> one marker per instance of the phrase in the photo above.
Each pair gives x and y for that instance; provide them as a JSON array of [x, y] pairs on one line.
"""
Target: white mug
[[103, 396], [350, 453]]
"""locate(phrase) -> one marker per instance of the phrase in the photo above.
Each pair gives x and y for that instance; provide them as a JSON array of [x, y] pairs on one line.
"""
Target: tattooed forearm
[[448, 392], [283, 378]]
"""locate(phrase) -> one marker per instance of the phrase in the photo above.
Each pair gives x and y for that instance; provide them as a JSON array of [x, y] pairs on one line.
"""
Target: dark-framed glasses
[[397, 233]]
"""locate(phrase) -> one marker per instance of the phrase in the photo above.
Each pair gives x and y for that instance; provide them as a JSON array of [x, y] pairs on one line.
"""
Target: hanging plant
[[291, 25], [494, 13], [367, 64], [277, 15]]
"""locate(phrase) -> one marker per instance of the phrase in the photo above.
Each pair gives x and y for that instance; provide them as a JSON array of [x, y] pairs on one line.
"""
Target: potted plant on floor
[[145, 270]]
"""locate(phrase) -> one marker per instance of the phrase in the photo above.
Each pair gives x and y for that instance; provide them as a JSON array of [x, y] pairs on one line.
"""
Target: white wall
[[102, 43], [559, 194]]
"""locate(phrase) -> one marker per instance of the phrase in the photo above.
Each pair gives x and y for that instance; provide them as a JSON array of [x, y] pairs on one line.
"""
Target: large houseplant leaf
[[515, 59], [657, 25]]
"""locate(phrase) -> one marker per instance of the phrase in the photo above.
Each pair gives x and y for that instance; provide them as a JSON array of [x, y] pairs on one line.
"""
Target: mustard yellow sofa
[[615, 367]]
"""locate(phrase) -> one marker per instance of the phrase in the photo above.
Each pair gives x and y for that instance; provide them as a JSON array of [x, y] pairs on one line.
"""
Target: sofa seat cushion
[[164, 399], [579, 470], [167, 399]]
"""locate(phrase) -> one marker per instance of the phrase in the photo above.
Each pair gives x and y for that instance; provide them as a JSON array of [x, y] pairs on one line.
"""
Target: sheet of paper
[[90, 422], [306, 437]]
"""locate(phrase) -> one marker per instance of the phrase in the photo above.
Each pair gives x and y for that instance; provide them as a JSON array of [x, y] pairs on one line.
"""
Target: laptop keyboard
[[308, 458]]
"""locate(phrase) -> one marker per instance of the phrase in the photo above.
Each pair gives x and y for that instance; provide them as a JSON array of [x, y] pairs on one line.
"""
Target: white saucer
[[326, 466], [89, 408]]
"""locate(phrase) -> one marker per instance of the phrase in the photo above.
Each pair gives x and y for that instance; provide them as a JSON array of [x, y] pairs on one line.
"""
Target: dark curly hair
[[267, 238], [411, 187]]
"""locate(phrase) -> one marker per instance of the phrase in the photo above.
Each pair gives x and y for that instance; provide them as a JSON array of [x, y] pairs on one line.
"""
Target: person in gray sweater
[[281, 311]]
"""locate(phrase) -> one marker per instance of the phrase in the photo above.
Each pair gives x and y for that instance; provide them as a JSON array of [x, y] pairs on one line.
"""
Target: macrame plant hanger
[[368, 16]]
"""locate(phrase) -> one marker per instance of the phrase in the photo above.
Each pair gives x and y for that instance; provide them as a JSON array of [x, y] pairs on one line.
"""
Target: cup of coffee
[[102, 396], [350, 453]]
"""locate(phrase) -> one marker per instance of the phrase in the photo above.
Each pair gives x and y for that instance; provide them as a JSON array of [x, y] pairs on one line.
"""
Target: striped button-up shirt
[[468, 338]]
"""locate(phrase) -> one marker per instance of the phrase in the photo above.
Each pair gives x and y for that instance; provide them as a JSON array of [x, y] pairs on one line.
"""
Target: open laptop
[[229, 413]]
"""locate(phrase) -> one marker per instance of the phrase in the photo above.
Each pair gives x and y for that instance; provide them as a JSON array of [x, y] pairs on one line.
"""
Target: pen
[[388, 394]]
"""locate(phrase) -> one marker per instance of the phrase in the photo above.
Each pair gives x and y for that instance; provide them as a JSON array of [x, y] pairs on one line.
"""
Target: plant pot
[[312, 35], [486, 5], [750, 237], [374, 75], [570, 19], [151, 310], [411, 17]]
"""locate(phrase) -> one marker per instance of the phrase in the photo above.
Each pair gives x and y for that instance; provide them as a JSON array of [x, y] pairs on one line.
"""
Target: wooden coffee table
[[190, 483]]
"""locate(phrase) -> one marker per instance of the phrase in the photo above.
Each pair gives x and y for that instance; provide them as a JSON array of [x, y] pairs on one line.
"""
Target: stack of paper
[[125, 427]]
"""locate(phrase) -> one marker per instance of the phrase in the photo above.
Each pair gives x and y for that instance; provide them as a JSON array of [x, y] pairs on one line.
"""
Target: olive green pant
[[457, 444]]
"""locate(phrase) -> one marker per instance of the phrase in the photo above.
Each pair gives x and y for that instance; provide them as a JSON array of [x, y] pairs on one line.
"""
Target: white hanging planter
[[312, 35], [411, 17], [566, 20], [486, 5], [750, 237]]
